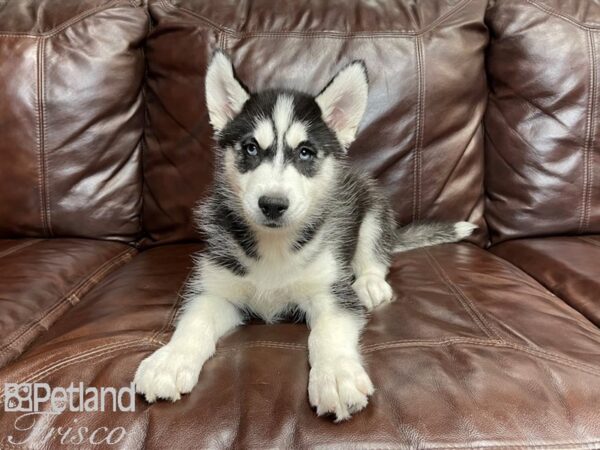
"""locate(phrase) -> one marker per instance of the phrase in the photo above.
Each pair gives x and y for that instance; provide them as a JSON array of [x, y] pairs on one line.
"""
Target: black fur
[[238, 132]]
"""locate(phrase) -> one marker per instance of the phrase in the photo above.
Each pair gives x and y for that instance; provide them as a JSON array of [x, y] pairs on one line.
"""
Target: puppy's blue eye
[[251, 149], [306, 154]]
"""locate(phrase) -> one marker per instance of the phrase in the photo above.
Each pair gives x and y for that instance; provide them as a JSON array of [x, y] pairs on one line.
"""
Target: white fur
[[225, 96], [343, 102], [173, 369], [283, 115], [338, 382], [281, 278], [263, 133], [370, 272], [464, 229], [295, 134]]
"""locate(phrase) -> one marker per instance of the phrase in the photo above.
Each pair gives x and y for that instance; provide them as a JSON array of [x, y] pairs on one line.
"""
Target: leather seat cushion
[[568, 266], [468, 353], [40, 279]]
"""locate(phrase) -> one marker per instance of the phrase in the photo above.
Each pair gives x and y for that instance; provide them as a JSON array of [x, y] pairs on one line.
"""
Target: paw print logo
[[18, 397]]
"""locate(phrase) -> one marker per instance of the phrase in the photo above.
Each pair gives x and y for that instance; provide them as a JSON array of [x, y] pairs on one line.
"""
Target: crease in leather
[[166, 4], [66, 24], [18, 247], [546, 111], [72, 297], [444, 185], [553, 12], [512, 129]]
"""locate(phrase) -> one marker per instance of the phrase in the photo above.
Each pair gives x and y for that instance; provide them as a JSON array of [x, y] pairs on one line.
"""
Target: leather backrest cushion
[[421, 136], [71, 118], [542, 131]]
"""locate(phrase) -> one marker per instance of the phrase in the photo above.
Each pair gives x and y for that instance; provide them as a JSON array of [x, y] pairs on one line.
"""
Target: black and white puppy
[[290, 229]]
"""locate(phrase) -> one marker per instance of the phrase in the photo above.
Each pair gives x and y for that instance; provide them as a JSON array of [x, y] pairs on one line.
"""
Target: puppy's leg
[[338, 382], [370, 266], [173, 369]]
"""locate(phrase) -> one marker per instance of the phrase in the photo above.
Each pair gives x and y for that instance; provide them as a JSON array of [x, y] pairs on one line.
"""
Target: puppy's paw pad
[[341, 387], [166, 374], [464, 229], [372, 291]]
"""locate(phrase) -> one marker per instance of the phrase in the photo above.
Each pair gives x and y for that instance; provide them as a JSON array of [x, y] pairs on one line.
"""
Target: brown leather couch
[[486, 111]]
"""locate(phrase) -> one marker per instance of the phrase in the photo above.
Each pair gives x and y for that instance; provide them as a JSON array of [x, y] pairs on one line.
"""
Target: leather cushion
[[40, 279], [71, 118], [567, 266], [542, 152], [421, 135], [468, 355]]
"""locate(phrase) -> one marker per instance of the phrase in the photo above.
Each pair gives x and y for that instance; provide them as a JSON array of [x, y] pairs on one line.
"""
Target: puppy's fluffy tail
[[432, 233]]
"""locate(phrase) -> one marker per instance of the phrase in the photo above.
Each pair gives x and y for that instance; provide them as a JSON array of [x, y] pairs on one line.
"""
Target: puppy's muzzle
[[273, 207]]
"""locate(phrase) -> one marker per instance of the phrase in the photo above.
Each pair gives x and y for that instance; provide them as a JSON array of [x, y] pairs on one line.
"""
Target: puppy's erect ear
[[343, 101], [225, 95]]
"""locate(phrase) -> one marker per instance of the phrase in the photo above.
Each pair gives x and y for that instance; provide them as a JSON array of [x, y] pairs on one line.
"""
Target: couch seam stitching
[[593, 127], [589, 241], [583, 208], [46, 188], [76, 291], [497, 343], [371, 348], [320, 33], [64, 25], [554, 12], [542, 354], [476, 316], [20, 246], [526, 445], [92, 353], [419, 129], [39, 137], [72, 297]]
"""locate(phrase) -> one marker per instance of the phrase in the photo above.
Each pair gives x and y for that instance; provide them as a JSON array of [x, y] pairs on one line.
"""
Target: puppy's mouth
[[274, 224]]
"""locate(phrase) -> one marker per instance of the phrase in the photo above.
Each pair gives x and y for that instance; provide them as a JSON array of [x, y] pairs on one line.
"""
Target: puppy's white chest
[[278, 283]]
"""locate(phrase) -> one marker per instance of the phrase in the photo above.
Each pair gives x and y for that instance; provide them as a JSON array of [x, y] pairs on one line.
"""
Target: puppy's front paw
[[372, 291], [167, 373], [340, 387]]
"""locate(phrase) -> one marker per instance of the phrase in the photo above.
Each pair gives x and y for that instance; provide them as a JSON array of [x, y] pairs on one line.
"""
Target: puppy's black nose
[[273, 207]]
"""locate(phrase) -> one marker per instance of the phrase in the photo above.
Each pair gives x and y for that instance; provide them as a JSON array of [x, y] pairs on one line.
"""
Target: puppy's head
[[279, 148]]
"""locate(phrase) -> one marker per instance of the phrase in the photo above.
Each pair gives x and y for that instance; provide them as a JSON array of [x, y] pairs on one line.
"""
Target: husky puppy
[[290, 229]]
